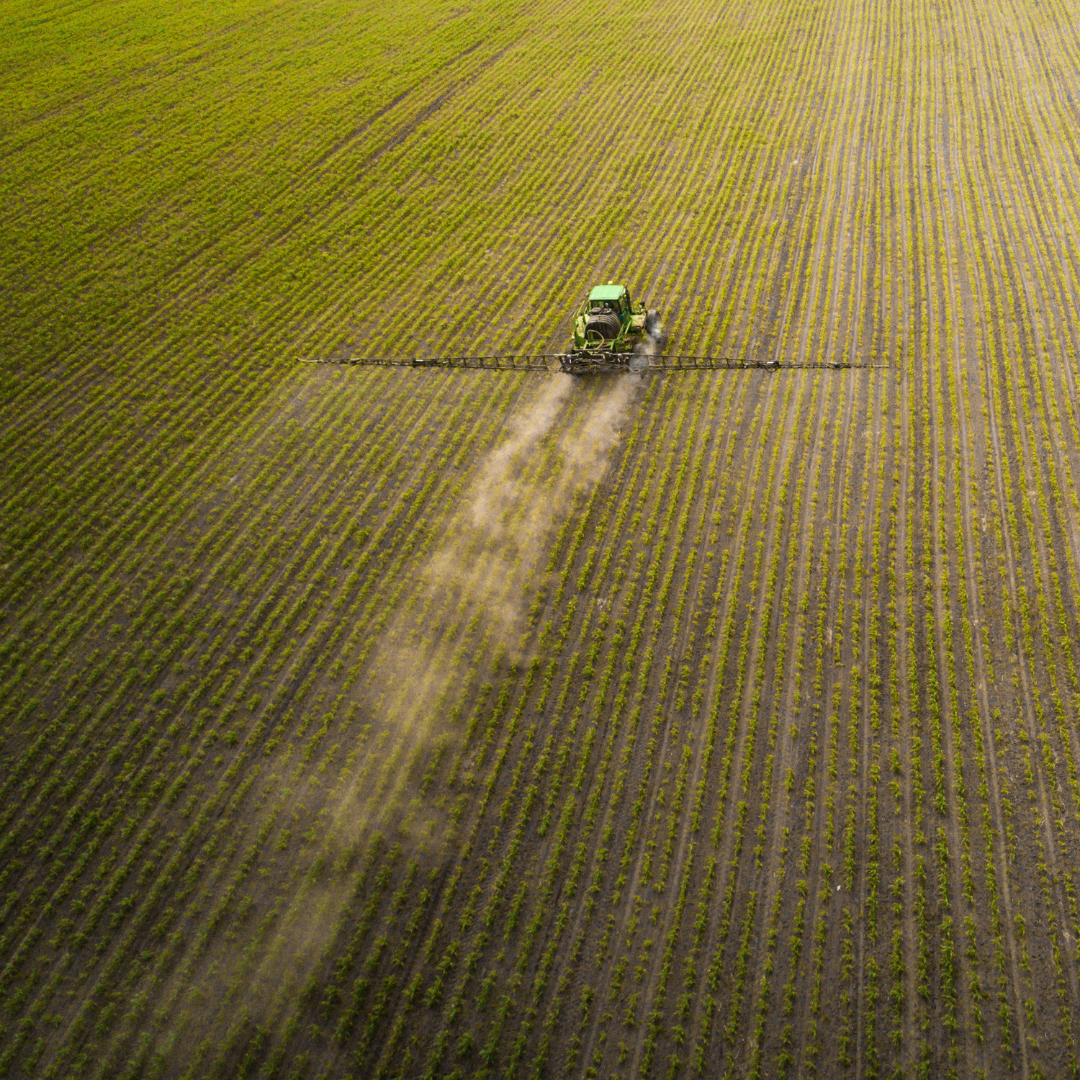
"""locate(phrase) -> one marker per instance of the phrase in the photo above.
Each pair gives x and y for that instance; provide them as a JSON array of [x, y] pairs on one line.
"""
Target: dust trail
[[492, 546], [497, 488], [469, 608], [587, 451], [477, 583], [491, 555]]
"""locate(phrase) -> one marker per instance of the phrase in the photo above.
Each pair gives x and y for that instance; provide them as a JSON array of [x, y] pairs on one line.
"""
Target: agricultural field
[[399, 722]]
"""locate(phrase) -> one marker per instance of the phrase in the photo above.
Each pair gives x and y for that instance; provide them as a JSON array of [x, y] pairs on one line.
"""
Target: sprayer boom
[[612, 334], [598, 363]]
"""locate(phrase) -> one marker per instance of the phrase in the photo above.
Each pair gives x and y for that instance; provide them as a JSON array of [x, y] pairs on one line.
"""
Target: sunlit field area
[[379, 722]]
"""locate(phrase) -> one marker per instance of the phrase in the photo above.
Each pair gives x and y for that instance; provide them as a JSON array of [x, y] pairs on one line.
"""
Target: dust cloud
[[491, 547], [467, 611], [476, 585]]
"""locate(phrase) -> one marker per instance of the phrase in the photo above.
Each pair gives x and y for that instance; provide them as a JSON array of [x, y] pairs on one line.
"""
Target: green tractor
[[611, 332]]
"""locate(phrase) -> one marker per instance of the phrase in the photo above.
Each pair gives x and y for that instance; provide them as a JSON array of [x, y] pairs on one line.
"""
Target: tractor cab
[[613, 298]]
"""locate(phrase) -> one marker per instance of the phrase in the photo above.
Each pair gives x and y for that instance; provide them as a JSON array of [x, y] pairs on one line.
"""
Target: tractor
[[611, 332]]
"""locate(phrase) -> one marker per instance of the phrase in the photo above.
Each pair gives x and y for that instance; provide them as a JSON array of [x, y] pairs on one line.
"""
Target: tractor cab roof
[[607, 292]]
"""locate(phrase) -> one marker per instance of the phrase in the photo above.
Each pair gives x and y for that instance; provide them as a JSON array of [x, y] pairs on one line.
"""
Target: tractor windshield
[[615, 305]]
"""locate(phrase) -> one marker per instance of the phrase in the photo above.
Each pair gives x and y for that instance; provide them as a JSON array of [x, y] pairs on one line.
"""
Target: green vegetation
[[440, 723]]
